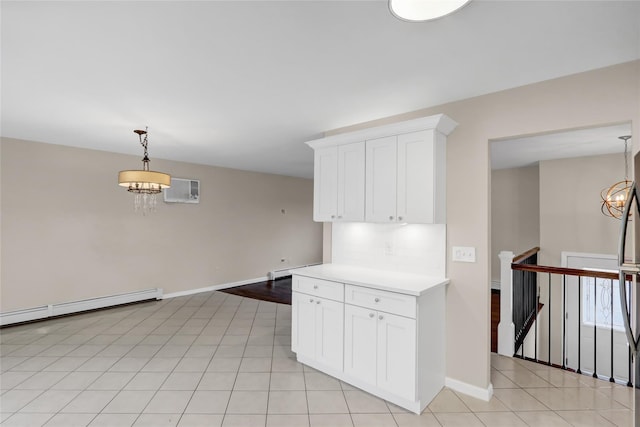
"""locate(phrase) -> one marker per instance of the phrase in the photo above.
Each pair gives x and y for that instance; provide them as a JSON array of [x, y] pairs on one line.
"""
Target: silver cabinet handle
[[380, 317], [318, 302], [377, 299], [333, 216], [371, 315], [399, 218], [339, 216], [311, 300], [391, 217], [315, 286]]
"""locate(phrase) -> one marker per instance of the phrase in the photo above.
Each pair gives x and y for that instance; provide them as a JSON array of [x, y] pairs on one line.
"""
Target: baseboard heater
[[277, 274], [52, 310]]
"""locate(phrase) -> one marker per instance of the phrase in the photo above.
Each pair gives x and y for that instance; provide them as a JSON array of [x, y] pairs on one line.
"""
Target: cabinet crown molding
[[439, 122]]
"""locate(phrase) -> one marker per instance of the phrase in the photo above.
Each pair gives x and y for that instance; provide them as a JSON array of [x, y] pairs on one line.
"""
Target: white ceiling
[[243, 84], [529, 150]]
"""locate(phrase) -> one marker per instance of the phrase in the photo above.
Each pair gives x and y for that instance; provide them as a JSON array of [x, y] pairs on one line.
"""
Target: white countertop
[[394, 281]]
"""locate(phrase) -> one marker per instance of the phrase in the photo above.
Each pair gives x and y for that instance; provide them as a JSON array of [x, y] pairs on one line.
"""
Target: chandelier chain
[[626, 158], [145, 143]]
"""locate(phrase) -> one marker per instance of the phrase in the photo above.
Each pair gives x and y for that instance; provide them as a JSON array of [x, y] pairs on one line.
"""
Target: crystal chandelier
[[145, 184], [615, 197]]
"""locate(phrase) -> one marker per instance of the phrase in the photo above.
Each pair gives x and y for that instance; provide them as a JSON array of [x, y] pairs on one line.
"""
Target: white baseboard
[[50, 310], [214, 287], [470, 390], [19, 316], [495, 284], [276, 274], [37, 313]]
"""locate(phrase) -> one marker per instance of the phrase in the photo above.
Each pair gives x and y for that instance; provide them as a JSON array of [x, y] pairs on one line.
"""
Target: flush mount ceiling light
[[615, 197], [145, 184], [424, 10]]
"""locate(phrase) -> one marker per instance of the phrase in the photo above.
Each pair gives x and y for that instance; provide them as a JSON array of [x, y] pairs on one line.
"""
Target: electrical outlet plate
[[464, 254]]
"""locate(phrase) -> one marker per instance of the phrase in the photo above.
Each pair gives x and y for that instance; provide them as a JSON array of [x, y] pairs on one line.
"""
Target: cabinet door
[[325, 184], [416, 177], [303, 324], [381, 165], [351, 182], [397, 355], [360, 341], [329, 332]]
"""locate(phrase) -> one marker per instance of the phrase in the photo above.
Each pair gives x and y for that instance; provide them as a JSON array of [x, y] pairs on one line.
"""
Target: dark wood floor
[[495, 318], [278, 290]]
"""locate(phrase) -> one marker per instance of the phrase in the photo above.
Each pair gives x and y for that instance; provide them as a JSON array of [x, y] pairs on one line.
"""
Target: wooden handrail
[[519, 258], [565, 271]]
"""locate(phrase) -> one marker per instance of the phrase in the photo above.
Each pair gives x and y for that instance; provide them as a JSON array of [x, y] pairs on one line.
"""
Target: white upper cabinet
[[405, 178], [351, 158], [338, 188], [422, 187], [381, 180], [397, 175], [416, 183], [325, 184]]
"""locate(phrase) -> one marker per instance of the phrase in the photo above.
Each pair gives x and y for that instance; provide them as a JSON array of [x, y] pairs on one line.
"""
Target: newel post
[[506, 328]]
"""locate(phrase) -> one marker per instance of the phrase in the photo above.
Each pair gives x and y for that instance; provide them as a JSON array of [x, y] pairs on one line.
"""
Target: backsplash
[[411, 248]]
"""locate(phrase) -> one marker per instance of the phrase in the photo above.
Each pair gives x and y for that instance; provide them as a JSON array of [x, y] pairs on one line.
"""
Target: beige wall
[[599, 97], [69, 231], [570, 217], [515, 212], [556, 206]]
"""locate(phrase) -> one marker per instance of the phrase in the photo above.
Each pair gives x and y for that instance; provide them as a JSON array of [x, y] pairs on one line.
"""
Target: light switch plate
[[464, 254]]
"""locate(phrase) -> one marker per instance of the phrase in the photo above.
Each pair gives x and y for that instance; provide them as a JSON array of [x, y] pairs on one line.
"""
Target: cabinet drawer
[[318, 287], [390, 302]]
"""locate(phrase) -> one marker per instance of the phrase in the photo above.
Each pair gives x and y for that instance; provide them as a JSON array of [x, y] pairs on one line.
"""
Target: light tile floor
[[215, 359]]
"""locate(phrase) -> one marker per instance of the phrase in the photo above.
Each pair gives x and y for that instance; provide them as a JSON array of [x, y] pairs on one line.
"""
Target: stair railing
[[521, 305]]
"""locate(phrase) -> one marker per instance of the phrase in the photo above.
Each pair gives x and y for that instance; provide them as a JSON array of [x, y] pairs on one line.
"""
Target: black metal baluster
[[534, 306], [611, 376], [522, 311], [516, 307], [564, 319], [579, 319], [595, 330], [535, 317], [549, 310]]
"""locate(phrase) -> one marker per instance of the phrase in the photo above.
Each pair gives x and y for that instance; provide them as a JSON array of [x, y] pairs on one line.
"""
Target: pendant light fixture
[[424, 10], [615, 197], [145, 183]]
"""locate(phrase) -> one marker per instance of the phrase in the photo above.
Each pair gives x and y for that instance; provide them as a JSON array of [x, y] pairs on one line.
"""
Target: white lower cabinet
[[380, 349], [397, 355], [303, 325], [316, 328], [361, 343], [390, 344]]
